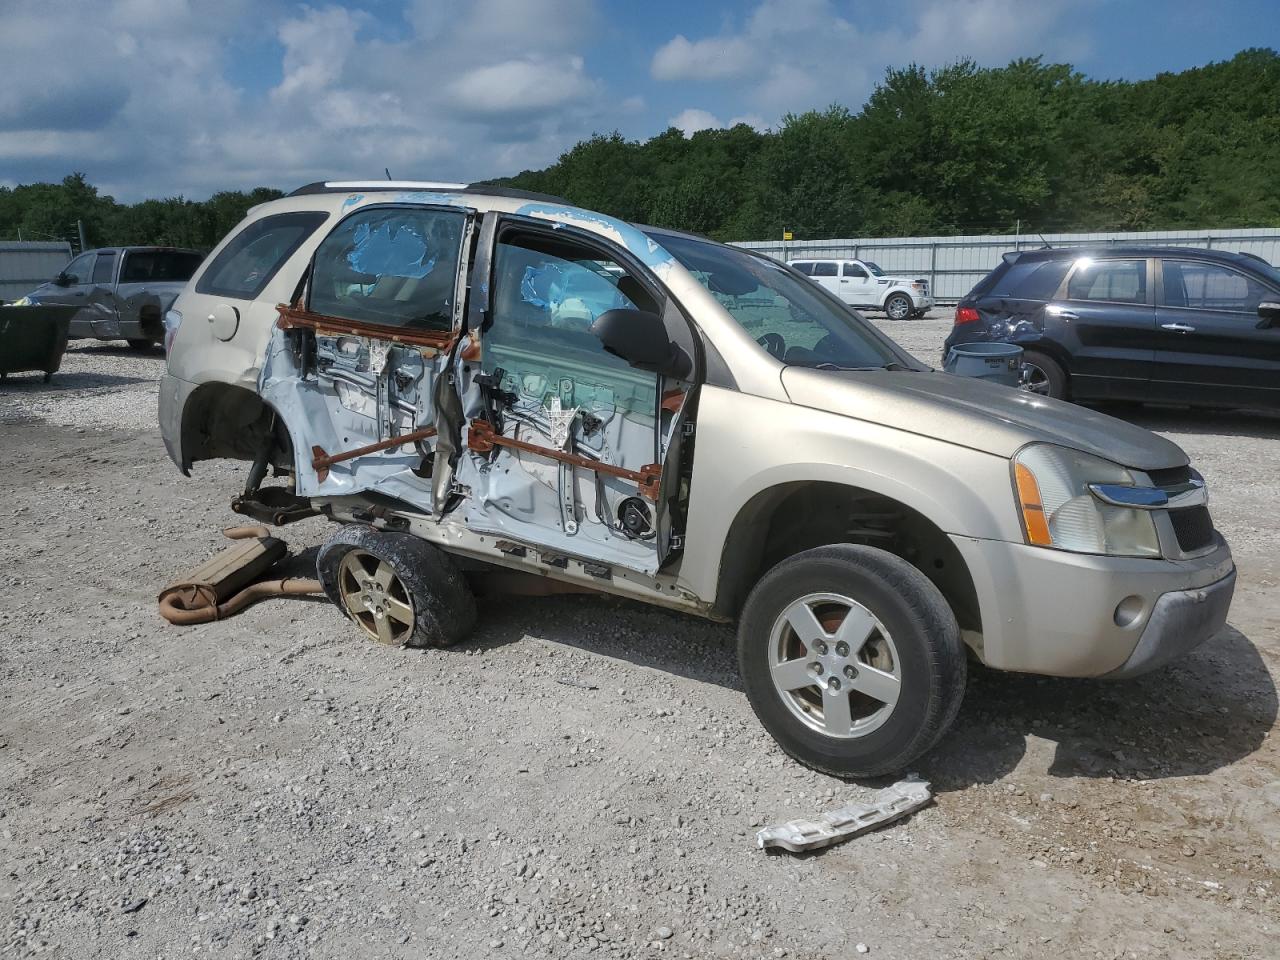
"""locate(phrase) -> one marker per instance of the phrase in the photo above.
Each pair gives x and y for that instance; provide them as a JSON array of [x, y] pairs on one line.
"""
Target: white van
[[861, 283]]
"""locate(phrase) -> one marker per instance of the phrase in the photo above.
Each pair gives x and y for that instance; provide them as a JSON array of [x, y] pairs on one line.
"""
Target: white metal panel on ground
[[24, 265], [952, 265]]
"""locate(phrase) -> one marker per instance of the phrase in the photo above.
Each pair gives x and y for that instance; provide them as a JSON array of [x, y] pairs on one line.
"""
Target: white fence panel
[[952, 265]]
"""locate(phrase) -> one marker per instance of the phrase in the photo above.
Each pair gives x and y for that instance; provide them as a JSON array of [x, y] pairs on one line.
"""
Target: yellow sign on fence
[[786, 235]]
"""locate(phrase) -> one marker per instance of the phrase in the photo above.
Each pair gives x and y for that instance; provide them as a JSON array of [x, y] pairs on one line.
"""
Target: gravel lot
[[584, 777]]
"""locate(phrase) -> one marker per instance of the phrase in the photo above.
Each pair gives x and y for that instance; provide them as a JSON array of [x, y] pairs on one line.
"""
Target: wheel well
[[785, 520], [221, 420], [150, 319]]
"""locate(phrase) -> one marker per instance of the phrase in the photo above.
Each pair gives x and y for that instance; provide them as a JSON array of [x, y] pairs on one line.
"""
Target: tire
[[141, 344], [898, 306], [912, 634], [1043, 375], [414, 574]]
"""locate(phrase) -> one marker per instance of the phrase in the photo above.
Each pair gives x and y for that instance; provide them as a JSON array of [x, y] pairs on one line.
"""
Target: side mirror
[[640, 338], [62, 280], [1268, 314]]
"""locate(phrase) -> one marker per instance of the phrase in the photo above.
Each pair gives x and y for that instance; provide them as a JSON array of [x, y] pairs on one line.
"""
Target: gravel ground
[[583, 777]]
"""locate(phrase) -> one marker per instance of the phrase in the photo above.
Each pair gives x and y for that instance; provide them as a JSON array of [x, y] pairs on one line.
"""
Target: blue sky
[[161, 97]]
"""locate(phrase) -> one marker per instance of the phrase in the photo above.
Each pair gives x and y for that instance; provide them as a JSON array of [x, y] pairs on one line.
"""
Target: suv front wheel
[[851, 659]]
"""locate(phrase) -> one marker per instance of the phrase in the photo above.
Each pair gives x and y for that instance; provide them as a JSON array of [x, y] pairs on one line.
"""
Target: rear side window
[[1209, 286], [803, 266], [823, 268], [1113, 281], [393, 266], [246, 264], [141, 266], [104, 267], [1030, 280]]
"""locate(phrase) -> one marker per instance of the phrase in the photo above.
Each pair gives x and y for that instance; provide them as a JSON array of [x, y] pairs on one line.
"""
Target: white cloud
[[710, 59], [316, 47], [521, 85], [793, 55], [156, 104], [691, 120]]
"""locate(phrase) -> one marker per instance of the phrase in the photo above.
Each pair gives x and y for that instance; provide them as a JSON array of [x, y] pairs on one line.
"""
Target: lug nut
[[833, 684], [850, 672], [816, 667], [822, 648], [842, 649]]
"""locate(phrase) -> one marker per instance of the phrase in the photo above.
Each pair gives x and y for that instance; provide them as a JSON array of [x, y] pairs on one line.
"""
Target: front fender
[[746, 445]]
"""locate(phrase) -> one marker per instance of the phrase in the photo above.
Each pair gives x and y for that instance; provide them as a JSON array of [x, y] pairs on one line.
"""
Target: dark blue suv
[[1164, 324]]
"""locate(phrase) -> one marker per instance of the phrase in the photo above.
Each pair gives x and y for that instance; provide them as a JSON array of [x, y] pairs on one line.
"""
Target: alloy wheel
[[375, 598], [834, 665], [1034, 380]]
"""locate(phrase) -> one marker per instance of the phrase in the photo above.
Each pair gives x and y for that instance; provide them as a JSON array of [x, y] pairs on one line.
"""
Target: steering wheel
[[774, 343]]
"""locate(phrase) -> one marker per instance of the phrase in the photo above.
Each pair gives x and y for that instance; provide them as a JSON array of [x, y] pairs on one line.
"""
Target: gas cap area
[[224, 321]]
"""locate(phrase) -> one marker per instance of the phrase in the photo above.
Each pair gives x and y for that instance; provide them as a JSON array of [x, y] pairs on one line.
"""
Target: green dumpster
[[33, 338]]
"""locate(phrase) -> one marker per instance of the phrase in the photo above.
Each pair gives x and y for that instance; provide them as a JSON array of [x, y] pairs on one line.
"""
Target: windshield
[[873, 267], [790, 316]]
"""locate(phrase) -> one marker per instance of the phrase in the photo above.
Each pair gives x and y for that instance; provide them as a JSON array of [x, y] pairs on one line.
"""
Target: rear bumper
[[173, 401]]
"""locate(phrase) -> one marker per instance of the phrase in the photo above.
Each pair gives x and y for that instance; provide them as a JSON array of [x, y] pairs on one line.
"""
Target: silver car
[[475, 378]]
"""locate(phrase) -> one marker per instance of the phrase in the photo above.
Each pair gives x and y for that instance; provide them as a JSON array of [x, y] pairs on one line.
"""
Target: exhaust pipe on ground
[[228, 582]]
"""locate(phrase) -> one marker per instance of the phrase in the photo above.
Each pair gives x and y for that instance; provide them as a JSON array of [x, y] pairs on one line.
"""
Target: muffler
[[227, 583]]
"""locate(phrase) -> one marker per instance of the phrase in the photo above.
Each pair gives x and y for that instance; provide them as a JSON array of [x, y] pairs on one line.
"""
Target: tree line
[[960, 149], [55, 211]]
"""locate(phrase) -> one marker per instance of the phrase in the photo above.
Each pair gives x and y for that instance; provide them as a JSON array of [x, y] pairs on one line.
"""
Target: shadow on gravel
[[613, 627], [99, 348], [1213, 709], [34, 384]]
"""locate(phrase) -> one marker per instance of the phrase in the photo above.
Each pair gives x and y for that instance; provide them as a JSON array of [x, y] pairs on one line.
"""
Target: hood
[[978, 415]]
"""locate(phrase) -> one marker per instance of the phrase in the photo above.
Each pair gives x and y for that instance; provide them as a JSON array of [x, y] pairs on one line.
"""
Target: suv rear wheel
[[851, 659], [396, 587], [1043, 375]]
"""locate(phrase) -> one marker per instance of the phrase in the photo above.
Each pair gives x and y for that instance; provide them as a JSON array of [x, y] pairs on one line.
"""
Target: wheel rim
[[1034, 380], [834, 665], [375, 598], [898, 308]]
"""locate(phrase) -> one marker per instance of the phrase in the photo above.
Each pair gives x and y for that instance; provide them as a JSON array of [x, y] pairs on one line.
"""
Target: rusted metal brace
[[481, 437], [321, 461]]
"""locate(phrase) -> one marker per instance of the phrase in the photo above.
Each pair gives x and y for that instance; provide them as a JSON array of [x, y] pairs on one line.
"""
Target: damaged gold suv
[[469, 378]]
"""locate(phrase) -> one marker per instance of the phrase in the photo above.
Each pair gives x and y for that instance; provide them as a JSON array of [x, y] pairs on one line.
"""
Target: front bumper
[[1179, 622], [1053, 612]]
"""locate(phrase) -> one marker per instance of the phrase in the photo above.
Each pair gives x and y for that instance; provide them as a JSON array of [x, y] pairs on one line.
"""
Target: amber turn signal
[[1034, 521]]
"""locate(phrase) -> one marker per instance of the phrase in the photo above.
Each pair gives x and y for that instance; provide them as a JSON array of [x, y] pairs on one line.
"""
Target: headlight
[[1052, 488]]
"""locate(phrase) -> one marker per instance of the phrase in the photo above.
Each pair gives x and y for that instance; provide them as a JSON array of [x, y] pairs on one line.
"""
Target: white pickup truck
[[861, 283]]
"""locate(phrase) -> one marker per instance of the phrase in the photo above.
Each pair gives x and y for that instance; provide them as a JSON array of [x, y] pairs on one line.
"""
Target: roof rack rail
[[375, 186]]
